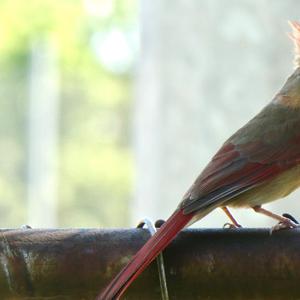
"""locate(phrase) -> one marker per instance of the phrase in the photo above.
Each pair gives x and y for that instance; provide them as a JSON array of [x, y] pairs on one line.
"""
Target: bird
[[258, 164]]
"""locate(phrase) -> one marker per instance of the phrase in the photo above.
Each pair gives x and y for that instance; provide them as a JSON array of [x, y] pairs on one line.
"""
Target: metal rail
[[200, 264]]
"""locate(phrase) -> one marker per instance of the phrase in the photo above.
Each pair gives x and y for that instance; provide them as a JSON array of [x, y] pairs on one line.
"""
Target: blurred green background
[[94, 44], [111, 108]]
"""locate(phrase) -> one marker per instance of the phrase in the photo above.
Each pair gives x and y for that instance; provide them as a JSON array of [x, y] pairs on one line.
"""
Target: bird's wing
[[246, 160]]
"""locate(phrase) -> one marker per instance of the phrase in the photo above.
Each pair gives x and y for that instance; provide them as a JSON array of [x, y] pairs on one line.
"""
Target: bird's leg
[[234, 223], [268, 213], [283, 221]]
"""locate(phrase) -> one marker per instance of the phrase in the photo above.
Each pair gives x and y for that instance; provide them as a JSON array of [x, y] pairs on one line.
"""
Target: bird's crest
[[295, 36]]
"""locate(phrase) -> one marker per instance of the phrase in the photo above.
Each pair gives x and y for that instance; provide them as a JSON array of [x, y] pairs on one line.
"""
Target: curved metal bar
[[160, 260]]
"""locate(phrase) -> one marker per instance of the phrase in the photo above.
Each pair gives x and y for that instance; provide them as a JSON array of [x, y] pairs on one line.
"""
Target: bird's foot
[[285, 224], [159, 223], [288, 216], [231, 226], [25, 226]]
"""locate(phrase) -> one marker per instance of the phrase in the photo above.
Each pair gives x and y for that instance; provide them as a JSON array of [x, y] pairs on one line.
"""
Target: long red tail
[[145, 256]]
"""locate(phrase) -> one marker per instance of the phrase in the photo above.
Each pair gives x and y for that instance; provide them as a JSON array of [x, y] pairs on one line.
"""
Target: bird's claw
[[288, 216], [159, 223], [25, 226], [231, 226], [286, 224]]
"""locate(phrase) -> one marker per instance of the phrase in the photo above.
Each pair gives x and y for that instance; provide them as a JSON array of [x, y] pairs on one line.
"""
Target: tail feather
[[146, 255]]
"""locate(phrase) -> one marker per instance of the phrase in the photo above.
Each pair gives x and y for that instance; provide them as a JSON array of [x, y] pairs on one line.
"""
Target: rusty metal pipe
[[200, 264]]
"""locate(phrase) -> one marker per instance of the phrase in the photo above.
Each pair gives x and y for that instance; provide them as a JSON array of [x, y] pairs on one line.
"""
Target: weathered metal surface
[[200, 264]]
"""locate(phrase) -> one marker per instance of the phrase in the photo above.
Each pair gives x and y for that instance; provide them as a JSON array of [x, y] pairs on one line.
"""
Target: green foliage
[[95, 163]]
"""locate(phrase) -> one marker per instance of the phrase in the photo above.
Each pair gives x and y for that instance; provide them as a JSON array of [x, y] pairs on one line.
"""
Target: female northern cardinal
[[258, 164]]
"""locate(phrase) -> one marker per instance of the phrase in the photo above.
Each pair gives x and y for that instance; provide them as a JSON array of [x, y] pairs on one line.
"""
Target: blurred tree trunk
[[206, 68], [43, 135]]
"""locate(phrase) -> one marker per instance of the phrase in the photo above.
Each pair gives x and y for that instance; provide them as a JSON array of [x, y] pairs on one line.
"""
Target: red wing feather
[[236, 169]]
